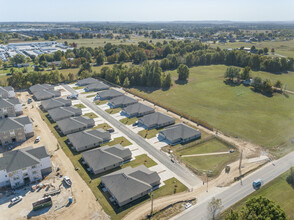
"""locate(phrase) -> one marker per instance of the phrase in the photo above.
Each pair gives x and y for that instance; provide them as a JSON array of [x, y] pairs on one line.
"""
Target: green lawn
[[211, 146], [235, 110], [89, 96], [277, 190], [141, 159], [91, 115], [128, 121], [80, 106], [105, 126], [78, 87], [149, 133], [120, 140], [101, 102], [171, 185], [113, 110]]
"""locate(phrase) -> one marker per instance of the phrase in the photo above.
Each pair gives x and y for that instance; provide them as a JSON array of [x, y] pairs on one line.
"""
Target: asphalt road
[[179, 170], [239, 191]]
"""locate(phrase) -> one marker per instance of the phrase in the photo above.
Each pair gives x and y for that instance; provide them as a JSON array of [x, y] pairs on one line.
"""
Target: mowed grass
[[113, 110], [149, 133], [102, 102], [277, 190], [91, 115], [213, 163], [211, 146], [80, 106], [128, 121], [105, 126], [141, 159], [235, 110]]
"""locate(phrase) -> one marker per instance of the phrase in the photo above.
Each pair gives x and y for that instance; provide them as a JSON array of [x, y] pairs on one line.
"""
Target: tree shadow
[[269, 95], [181, 82], [231, 83]]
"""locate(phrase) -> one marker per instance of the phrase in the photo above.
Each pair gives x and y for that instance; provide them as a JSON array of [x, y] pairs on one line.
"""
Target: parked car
[[67, 180], [172, 160], [29, 100], [15, 200], [37, 139], [257, 184], [232, 150], [110, 130], [135, 124], [188, 205]]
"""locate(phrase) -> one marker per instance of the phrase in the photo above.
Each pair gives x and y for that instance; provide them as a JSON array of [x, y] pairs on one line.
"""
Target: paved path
[[184, 174], [240, 190], [208, 154]]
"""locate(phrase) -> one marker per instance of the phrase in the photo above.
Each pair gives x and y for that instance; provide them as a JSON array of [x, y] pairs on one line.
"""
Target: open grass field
[[212, 163], [284, 48], [277, 190], [235, 110], [171, 186]]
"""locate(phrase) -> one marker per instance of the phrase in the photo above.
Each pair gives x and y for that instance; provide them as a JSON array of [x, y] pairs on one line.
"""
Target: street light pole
[[151, 204]]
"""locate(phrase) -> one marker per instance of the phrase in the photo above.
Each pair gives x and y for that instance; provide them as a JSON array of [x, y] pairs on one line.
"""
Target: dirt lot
[[85, 205]]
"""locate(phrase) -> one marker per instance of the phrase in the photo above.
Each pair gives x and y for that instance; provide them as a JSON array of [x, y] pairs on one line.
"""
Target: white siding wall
[[17, 108], [4, 178], [45, 163], [11, 94]]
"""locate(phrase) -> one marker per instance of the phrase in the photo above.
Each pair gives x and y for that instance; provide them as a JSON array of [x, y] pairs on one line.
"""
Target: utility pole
[[206, 182], [151, 204]]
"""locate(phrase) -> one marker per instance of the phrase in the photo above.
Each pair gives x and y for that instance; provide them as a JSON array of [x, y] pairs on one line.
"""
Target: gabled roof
[[109, 94], [63, 112], [46, 94], [87, 81], [11, 123], [39, 87], [72, 123], [179, 131], [7, 103], [122, 101], [19, 159], [5, 90], [137, 108], [156, 118], [128, 182], [105, 156], [55, 103], [97, 86], [89, 137]]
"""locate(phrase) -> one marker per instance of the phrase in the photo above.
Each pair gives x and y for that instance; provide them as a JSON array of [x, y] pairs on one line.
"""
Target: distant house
[[23, 166], [55, 103], [75, 124], [87, 81], [88, 139], [179, 133], [60, 113], [10, 107], [19, 65], [7, 92], [15, 129], [248, 82], [121, 101], [106, 158], [156, 120], [46, 94], [137, 110], [129, 184], [109, 94], [98, 86], [40, 87]]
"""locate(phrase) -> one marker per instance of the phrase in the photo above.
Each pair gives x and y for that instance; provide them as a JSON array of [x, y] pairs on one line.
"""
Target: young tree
[[126, 83], [100, 59], [183, 72], [167, 81], [214, 208], [245, 75], [278, 84], [232, 72], [257, 83]]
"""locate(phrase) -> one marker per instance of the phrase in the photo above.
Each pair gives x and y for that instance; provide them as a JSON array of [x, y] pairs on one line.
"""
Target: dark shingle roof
[[85, 138], [19, 159], [39, 87], [97, 86], [123, 184], [123, 100], [7, 124], [109, 94], [64, 112], [46, 94], [6, 103], [137, 108], [86, 81], [179, 131], [55, 103], [156, 119], [102, 157], [68, 124]]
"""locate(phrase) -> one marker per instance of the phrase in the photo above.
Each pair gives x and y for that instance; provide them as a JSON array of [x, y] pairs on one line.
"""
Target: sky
[[146, 10]]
